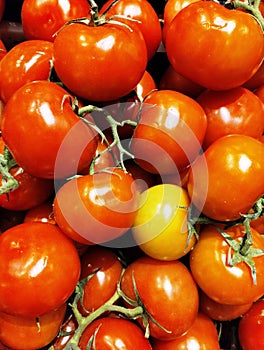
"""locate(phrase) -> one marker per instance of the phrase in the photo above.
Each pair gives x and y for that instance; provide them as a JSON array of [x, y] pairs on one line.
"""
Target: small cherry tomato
[[42, 212]]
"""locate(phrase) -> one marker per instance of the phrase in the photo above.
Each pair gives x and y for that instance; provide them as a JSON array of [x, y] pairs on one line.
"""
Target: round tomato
[[256, 80], [234, 179], [212, 61], [46, 137], [169, 133], [42, 212], [3, 50], [68, 328], [167, 292], [221, 278], [260, 92], [236, 111], [42, 19], [30, 255], [30, 333], [97, 208], [160, 227]]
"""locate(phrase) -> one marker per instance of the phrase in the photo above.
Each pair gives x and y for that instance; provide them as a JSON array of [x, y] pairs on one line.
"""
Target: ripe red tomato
[[109, 333], [3, 50], [29, 333], [250, 327], [109, 59], [210, 267], [260, 92], [234, 179], [235, 111], [102, 206], [30, 255], [169, 133], [27, 61], [42, 212], [46, 137], [167, 292], [42, 19], [212, 60], [256, 80]]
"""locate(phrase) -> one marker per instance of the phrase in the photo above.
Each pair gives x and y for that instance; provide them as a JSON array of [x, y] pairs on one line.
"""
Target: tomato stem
[[253, 9], [9, 183]]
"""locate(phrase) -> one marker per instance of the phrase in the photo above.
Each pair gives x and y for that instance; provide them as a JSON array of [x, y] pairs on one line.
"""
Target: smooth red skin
[[23, 333], [160, 143], [42, 19], [25, 62], [102, 206], [113, 333], [146, 85], [148, 20], [234, 179], [30, 255], [256, 80], [44, 149], [69, 325], [260, 92], [220, 281], [3, 50], [42, 212], [212, 60], [258, 224], [250, 328], [103, 284], [110, 60], [236, 111], [167, 291], [201, 335]]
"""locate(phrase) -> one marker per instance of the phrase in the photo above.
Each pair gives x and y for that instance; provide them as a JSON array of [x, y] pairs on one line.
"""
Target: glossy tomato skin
[[103, 206], [42, 212], [110, 60], [42, 19], [31, 252], [59, 144], [27, 61], [169, 133], [234, 179], [23, 333], [222, 34], [114, 333], [256, 80], [3, 50], [236, 111], [201, 335], [220, 281], [168, 293], [250, 328]]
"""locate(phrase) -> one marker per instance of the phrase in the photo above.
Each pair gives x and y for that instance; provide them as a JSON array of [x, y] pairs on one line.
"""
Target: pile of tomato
[[132, 175]]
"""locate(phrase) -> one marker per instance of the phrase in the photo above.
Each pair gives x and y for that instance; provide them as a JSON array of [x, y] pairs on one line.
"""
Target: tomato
[[169, 133], [28, 333], [160, 226], [30, 253], [221, 312], [42, 212], [3, 50], [260, 92], [212, 60], [210, 267], [103, 284], [256, 80], [167, 292], [146, 85], [235, 111], [69, 326], [145, 17], [107, 60], [42, 19], [46, 137], [250, 328], [201, 335], [234, 179], [27, 61], [258, 224], [114, 333], [97, 208]]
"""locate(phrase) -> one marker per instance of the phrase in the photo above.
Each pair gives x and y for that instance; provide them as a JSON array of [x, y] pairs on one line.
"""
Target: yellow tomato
[[160, 226]]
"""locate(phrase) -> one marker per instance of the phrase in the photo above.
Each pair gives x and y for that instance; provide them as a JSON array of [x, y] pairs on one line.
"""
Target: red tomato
[[146, 85], [256, 80], [27, 61], [210, 267], [69, 326], [42, 19], [46, 137], [167, 292], [258, 224], [145, 17], [235, 111], [28, 333], [201, 335], [30, 253], [109, 333], [234, 179], [102, 206], [42, 212], [3, 49], [212, 60], [260, 92], [111, 59], [169, 133], [250, 328]]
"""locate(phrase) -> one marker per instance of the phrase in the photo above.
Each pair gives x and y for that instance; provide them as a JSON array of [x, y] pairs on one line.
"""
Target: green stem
[[9, 183], [253, 9]]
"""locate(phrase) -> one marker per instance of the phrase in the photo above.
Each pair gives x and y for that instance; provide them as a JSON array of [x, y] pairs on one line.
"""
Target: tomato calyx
[[252, 7], [9, 183]]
